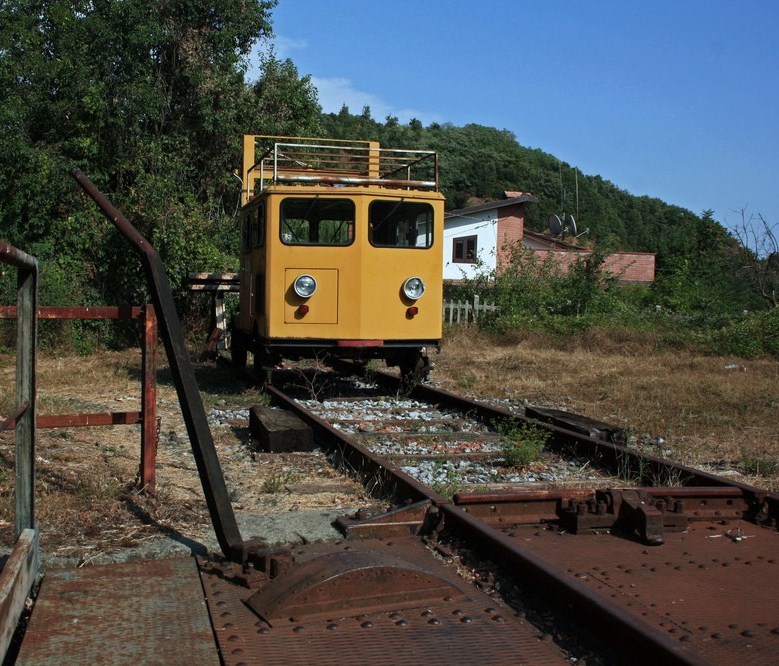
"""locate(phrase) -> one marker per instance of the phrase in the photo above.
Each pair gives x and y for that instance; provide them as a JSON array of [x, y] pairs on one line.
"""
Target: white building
[[474, 237]]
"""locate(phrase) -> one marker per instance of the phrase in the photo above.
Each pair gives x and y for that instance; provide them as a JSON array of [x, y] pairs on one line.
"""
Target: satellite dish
[[569, 228], [555, 225]]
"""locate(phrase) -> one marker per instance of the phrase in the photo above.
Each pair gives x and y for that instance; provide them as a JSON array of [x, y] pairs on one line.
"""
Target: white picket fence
[[465, 312]]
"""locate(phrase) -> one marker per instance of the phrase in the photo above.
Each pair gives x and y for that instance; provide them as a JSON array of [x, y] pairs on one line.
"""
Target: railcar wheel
[[264, 363], [414, 367]]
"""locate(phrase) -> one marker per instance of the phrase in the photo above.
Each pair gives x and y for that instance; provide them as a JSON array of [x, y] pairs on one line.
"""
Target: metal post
[[149, 400], [27, 339]]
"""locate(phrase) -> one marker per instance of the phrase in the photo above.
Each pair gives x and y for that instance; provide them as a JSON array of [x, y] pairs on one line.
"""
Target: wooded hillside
[[150, 101], [482, 162]]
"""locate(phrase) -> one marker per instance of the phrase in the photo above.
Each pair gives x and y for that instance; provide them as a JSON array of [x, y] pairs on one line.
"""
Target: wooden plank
[[214, 282], [16, 580], [214, 276], [26, 350], [215, 287]]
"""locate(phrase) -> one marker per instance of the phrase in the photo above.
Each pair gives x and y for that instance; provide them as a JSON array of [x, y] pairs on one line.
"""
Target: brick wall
[[629, 267], [511, 228]]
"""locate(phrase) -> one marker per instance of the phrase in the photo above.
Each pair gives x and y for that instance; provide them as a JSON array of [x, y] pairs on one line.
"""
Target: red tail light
[[302, 310], [412, 311]]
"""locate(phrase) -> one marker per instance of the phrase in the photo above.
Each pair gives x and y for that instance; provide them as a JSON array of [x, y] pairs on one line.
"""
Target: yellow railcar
[[341, 252]]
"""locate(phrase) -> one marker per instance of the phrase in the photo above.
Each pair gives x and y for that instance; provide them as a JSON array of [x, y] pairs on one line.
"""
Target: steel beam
[[203, 450]]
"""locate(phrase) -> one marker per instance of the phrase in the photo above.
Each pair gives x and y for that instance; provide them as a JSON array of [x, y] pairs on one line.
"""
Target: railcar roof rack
[[272, 160]]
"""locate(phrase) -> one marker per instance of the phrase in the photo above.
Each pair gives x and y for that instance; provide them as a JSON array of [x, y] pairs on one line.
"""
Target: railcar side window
[[317, 221], [246, 233], [258, 226], [400, 224]]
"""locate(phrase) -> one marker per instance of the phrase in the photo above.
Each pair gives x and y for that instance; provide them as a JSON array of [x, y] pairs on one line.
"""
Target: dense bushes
[[537, 296]]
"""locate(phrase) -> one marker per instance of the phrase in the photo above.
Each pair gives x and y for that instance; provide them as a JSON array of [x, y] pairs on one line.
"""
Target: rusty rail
[[393, 481], [553, 583], [628, 633], [619, 459], [203, 450]]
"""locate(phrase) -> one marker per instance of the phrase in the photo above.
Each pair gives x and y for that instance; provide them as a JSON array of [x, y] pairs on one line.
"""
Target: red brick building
[[476, 238]]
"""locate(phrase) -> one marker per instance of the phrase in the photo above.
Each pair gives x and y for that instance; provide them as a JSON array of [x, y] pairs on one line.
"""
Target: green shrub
[[759, 466], [754, 334], [521, 444], [680, 311]]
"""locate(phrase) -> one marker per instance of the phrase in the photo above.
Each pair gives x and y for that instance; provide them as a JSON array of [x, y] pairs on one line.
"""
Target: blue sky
[[678, 100]]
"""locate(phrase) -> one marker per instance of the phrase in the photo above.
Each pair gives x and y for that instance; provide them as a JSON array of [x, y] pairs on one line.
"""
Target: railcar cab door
[[253, 232]]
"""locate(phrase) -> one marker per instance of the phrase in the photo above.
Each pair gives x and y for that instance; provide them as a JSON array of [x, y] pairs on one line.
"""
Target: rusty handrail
[[14, 256], [193, 411], [147, 417], [10, 420]]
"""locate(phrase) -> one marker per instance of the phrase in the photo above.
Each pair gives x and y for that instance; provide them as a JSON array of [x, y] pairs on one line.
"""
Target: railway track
[[663, 562], [484, 564], [678, 567]]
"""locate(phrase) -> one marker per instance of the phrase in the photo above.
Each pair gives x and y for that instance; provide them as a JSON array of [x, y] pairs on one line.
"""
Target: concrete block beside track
[[279, 431]]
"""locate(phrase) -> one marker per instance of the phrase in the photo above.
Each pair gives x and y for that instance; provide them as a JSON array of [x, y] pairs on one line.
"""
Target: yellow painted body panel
[[359, 294], [323, 304]]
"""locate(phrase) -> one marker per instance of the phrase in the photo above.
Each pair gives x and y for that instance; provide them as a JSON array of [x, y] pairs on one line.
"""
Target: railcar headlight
[[413, 288], [304, 286]]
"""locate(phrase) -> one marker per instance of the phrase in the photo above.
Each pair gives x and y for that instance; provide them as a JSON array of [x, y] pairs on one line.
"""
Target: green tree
[[150, 101], [281, 102]]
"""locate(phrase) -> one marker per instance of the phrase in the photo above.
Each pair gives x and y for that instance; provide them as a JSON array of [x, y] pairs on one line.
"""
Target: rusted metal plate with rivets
[[715, 587], [136, 613], [343, 582], [465, 626]]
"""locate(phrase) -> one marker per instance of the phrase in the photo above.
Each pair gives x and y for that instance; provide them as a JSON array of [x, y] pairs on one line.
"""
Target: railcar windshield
[[400, 224], [317, 221]]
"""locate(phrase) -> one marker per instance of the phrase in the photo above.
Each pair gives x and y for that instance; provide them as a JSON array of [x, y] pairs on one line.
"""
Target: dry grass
[[86, 496], [717, 412], [711, 414]]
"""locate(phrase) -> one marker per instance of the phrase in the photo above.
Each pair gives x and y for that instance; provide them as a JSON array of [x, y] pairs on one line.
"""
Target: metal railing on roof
[[338, 162]]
